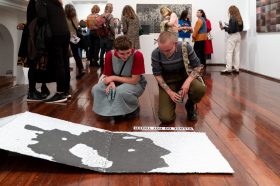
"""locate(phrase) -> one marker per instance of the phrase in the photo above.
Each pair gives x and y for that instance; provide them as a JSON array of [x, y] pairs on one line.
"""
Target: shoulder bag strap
[[73, 25], [120, 74], [185, 56]]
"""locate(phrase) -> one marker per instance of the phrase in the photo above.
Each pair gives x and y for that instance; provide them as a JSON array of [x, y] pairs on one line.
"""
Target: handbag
[[209, 36], [80, 38]]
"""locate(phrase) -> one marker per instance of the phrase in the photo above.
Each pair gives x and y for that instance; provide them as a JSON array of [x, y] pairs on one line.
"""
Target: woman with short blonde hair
[[170, 20], [95, 9]]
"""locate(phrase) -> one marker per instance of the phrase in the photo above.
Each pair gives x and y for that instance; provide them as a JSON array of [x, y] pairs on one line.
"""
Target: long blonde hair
[[129, 12], [234, 11], [165, 11]]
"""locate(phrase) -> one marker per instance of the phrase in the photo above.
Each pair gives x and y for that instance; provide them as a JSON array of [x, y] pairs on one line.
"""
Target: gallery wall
[[9, 41], [210, 7], [263, 52], [259, 51]]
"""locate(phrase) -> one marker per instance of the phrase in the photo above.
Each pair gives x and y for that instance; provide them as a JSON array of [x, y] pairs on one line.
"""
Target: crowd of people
[[112, 44]]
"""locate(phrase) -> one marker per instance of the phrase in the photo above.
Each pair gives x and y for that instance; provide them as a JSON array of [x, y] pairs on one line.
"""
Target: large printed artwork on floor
[[150, 17], [268, 15], [110, 152]]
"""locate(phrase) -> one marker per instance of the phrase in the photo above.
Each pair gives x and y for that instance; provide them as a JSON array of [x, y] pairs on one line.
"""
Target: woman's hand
[[110, 86], [107, 80], [20, 26], [221, 25]]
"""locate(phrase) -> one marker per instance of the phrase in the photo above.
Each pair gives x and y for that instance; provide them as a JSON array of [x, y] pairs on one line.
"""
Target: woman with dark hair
[[73, 24], [117, 93], [208, 48], [131, 25], [199, 36], [234, 28], [185, 27]]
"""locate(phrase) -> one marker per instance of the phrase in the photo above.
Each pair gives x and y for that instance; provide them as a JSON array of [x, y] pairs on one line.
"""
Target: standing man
[[170, 73]]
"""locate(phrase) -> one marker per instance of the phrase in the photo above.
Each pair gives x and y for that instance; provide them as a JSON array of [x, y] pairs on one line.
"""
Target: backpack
[[105, 30]]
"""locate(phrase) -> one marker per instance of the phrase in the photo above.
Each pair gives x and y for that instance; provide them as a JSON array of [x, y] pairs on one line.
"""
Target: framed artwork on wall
[[150, 17], [268, 16]]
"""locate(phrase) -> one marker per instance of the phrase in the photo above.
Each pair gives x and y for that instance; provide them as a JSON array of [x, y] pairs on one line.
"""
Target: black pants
[[75, 52], [36, 75], [106, 45], [199, 50], [32, 75], [94, 47], [60, 61]]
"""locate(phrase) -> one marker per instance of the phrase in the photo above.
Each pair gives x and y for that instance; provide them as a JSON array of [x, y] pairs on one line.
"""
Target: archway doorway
[[6, 52]]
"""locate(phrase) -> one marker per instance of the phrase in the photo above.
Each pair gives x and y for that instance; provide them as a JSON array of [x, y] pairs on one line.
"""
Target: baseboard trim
[[261, 75], [249, 72], [215, 64]]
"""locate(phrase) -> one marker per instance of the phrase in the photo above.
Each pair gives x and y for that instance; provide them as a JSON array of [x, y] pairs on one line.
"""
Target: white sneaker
[[226, 71]]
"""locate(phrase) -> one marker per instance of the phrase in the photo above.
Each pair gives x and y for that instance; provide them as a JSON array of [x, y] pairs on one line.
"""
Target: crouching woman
[[123, 83]]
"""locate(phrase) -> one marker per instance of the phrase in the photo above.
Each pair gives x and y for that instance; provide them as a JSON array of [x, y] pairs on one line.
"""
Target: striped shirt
[[175, 64]]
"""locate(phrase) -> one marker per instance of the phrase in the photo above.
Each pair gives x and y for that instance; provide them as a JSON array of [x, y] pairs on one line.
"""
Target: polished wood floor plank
[[239, 114], [257, 168]]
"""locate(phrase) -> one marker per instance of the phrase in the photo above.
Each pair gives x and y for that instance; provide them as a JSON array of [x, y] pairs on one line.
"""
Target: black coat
[[54, 15]]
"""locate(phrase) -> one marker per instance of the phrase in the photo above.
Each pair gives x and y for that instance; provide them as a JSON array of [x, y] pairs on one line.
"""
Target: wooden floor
[[240, 114]]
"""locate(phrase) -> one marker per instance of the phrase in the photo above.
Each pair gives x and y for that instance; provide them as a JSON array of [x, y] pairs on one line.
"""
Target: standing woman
[[208, 49], [94, 46], [185, 27], [199, 36], [73, 24], [234, 28], [170, 21], [131, 25], [34, 74]]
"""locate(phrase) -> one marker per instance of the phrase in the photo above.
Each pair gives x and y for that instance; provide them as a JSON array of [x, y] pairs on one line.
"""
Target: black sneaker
[[191, 111], [235, 71], [45, 92], [57, 98], [34, 96], [68, 95]]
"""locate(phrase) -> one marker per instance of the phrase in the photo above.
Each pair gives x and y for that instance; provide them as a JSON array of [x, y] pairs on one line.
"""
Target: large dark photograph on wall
[[150, 18], [268, 16]]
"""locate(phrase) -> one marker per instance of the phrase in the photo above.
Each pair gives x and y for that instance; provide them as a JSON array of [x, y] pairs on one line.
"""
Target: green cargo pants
[[167, 107]]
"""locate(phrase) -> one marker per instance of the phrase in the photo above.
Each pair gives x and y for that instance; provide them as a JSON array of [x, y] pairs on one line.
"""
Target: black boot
[[191, 110]]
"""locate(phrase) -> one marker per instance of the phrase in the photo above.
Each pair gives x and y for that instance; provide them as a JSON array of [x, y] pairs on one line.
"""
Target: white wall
[[9, 18], [215, 10], [262, 48]]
